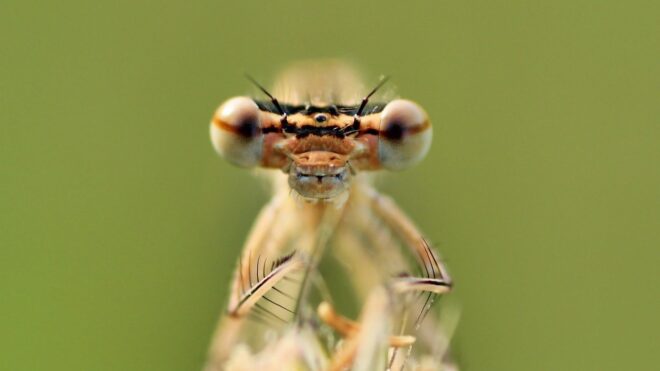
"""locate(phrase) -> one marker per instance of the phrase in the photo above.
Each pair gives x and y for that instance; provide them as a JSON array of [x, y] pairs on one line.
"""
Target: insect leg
[[435, 279], [251, 270], [401, 224]]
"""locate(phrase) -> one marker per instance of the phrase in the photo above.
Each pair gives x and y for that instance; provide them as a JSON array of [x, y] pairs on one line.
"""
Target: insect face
[[321, 148], [320, 153]]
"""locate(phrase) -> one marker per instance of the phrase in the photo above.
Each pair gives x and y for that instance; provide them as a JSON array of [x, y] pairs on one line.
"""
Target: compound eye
[[236, 132], [404, 136]]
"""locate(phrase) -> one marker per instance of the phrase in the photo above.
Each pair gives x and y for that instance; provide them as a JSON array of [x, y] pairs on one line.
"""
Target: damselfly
[[320, 136]]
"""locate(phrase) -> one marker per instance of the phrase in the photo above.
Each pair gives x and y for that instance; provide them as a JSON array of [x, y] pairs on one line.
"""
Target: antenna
[[272, 98], [365, 100]]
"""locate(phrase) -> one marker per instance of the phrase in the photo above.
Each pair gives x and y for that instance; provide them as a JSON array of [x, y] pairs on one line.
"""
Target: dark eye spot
[[395, 131], [248, 128], [321, 118]]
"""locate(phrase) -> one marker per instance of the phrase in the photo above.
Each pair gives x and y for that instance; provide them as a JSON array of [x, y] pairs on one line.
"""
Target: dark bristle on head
[[272, 98], [365, 100]]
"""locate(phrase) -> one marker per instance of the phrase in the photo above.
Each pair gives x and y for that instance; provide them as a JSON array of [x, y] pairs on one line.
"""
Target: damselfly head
[[318, 143]]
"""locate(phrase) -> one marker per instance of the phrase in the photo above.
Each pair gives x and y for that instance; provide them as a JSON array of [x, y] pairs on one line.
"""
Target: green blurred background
[[119, 226]]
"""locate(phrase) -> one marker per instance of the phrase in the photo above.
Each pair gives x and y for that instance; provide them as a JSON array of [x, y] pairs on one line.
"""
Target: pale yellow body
[[324, 205]]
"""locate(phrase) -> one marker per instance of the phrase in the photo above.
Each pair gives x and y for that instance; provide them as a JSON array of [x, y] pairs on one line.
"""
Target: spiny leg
[[434, 279], [366, 247], [387, 209], [369, 245], [259, 239], [255, 304], [250, 271]]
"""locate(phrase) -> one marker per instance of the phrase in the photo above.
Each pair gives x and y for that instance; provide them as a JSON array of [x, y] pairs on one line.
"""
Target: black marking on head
[[289, 128], [307, 130], [271, 129]]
